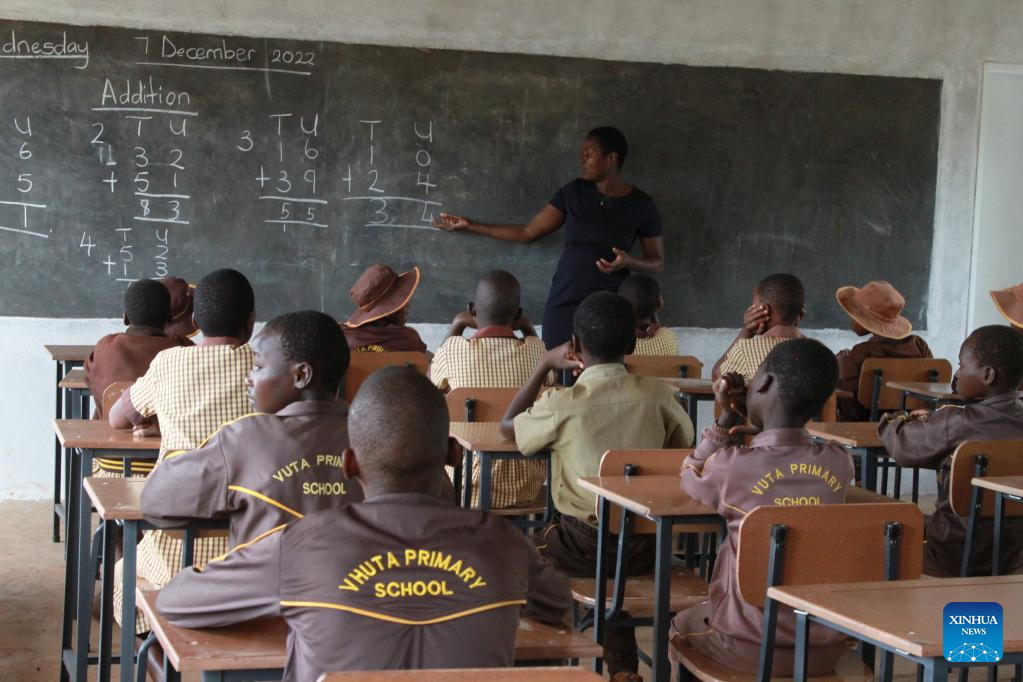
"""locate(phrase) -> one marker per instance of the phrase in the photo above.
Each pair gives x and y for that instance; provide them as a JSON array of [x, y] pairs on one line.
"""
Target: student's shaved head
[[498, 297], [398, 427]]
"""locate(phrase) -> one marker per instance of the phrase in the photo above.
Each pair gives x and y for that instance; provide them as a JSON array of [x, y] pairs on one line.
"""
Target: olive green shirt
[[607, 409]]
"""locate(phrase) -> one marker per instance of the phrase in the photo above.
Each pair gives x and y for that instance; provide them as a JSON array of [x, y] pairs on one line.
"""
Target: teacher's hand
[[451, 223], [620, 261]]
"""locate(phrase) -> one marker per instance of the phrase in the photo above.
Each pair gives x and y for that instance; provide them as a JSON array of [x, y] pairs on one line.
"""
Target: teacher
[[603, 217]]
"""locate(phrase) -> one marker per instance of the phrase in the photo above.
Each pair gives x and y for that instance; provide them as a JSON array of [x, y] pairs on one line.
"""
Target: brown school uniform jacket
[[849, 367], [929, 444], [262, 470], [124, 356], [402, 580], [388, 338], [780, 467]]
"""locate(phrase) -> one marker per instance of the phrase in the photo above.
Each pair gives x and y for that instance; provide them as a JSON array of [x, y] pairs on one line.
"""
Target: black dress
[[594, 223]]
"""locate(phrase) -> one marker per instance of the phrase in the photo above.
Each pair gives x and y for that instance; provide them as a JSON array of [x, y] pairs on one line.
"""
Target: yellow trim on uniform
[[405, 621], [174, 453], [268, 500], [225, 425], [744, 513], [250, 542]]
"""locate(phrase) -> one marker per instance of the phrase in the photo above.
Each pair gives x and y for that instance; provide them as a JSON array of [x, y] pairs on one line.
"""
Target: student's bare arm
[[123, 414], [543, 223]]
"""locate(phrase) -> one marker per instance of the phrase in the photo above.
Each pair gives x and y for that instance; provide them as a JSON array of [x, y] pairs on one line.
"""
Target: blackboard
[[133, 153]]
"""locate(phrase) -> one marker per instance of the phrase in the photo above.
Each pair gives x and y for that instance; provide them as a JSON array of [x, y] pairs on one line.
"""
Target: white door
[[998, 214]]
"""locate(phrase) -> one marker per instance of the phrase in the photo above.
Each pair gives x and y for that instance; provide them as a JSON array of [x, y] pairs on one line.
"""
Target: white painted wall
[[946, 39], [998, 225]]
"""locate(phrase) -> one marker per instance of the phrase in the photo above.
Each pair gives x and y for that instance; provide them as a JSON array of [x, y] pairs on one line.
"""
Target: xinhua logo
[[972, 632]]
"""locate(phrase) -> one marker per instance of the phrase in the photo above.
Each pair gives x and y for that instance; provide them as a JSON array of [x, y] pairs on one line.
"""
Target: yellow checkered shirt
[[494, 362], [663, 342], [746, 356]]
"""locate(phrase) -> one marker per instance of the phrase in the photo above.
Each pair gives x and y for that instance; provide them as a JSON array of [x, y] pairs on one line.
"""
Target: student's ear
[[127, 323], [762, 382], [660, 301], [472, 308], [990, 376], [454, 456], [577, 346], [349, 464], [303, 375]]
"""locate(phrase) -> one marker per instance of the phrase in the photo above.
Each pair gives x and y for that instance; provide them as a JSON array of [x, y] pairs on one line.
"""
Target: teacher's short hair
[[605, 323], [612, 141]]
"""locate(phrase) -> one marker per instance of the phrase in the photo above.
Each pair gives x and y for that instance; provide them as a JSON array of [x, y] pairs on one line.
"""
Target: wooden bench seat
[[706, 669], [687, 589]]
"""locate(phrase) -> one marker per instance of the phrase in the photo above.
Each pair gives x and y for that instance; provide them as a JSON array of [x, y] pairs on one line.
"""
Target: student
[[990, 371], [875, 309], [182, 306], [125, 356], [401, 580], [789, 389], [644, 294], [193, 391], [382, 298], [272, 467], [778, 305], [1010, 304], [494, 357], [606, 409]]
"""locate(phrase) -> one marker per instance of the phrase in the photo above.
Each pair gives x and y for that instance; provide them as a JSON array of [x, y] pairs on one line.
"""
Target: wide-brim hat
[[380, 292], [878, 307], [1010, 304], [182, 302]]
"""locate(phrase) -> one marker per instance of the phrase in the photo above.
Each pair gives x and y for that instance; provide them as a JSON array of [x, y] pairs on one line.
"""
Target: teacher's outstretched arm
[[543, 223]]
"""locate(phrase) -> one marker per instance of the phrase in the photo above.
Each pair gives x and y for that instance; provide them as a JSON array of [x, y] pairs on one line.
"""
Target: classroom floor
[[31, 591]]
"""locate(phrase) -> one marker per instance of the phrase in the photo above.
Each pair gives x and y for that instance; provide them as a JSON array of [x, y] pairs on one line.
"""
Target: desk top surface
[[852, 434], [939, 391], [468, 675], [1013, 485], [691, 386], [483, 436], [647, 495], [97, 433], [116, 499], [907, 614], [261, 644], [74, 379], [75, 353]]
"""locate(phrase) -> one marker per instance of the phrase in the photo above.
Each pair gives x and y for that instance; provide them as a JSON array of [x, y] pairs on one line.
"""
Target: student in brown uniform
[[644, 294], [192, 391], [990, 371], [875, 309], [400, 580], [274, 466], [382, 300], [779, 303], [125, 356], [606, 409], [781, 466], [494, 357]]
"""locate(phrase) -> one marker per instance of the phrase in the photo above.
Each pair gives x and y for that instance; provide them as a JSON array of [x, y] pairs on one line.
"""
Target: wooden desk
[[861, 439], [468, 675], [82, 438], [905, 616], [66, 358], [484, 440], [258, 647], [692, 392], [74, 379], [661, 500], [1004, 487], [926, 391]]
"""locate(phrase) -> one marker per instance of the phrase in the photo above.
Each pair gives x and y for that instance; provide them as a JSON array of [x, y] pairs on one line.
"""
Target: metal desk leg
[[106, 604], [131, 534], [802, 652], [691, 406], [936, 670], [83, 526], [599, 612], [56, 460], [70, 566], [486, 467], [662, 603], [996, 543], [467, 480], [868, 469]]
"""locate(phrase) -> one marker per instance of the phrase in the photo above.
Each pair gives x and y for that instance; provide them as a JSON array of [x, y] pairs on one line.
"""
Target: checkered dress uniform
[[746, 355], [661, 342], [193, 390], [495, 359]]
